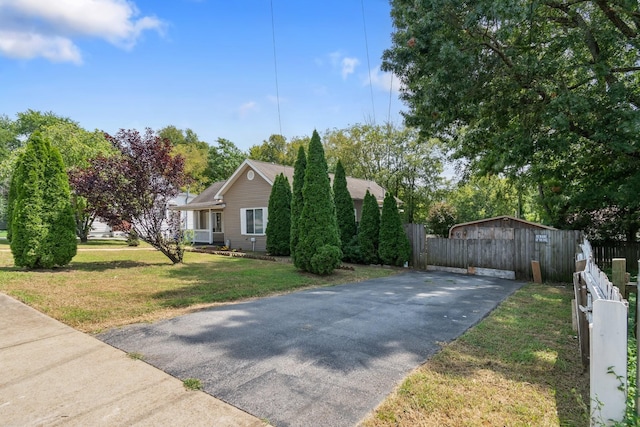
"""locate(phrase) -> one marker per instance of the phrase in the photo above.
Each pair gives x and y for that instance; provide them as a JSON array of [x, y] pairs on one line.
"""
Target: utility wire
[[275, 65], [366, 42]]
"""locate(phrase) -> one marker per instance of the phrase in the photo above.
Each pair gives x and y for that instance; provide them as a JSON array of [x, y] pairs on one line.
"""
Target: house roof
[[204, 200], [213, 196], [502, 217], [268, 171]]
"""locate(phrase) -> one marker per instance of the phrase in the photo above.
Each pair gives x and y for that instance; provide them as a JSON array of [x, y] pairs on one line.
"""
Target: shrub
[[352, 253], [43, 229], [326, 259], [279, 223], [297, 201], [441, 217], [317, 226], [344, 208], [394, 247], [369, 231]]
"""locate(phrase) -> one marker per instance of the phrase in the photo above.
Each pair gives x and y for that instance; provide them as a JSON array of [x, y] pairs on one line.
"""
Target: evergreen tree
[[394, 248], [279, 222], [297, 200], [42, 222], [344, 209], [318, 250], [369, 231]]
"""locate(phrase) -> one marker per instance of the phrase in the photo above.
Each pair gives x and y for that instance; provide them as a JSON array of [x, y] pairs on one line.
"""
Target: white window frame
[[243, 221]]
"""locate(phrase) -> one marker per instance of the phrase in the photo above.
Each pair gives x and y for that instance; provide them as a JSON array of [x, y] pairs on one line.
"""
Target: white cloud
[[382, 80], [345, 64], [45, 28], [247, 108], [348, 66], [25, 45]]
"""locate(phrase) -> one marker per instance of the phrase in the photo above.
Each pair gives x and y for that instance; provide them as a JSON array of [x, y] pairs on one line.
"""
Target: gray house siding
[[245, 194]]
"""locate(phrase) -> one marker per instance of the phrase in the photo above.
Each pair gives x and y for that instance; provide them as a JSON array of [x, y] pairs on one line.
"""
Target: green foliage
[[351, 252], [555, 100], [297, 200], [442, 216], [484, 197], [192, 384], [397, 158], [42, 222], [317, 225], [394, 247], [279, 223], [278, 150], [187, 144], [77, 146], [345, 213], [223, 159], [369, 231], [326, 259]]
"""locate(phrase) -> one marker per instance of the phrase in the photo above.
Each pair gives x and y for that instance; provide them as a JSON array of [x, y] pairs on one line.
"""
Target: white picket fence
[[602, 328]]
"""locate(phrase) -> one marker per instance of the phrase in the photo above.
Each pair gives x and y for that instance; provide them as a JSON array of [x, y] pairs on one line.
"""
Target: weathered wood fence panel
[[554, 249], [604, 253], [417, 237]]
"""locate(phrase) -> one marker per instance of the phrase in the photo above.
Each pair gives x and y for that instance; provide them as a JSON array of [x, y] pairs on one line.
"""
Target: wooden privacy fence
[[604, 253], [602, 330], [554, 250]]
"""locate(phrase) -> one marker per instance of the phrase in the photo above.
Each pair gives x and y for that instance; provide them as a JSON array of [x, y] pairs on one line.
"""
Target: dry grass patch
[[104, 288], [518, 367]]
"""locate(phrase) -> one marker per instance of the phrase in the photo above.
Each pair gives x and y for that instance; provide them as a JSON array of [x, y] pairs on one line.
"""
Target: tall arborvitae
[[297, 200], [318, 250], [42, 223], [345, 213], [394, 247], [368, 233], [279, 222]]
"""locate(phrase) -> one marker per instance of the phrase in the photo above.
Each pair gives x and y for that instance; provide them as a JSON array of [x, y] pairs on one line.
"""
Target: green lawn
[[518, 367], [111, 284]]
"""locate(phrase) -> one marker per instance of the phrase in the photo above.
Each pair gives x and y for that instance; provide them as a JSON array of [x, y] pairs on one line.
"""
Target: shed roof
[[498, 218]]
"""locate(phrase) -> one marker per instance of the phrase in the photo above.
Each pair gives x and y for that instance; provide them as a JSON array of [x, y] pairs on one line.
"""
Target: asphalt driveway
[[320, 357]]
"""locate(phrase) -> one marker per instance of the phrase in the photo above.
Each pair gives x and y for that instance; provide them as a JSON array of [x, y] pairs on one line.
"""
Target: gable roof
[[268, 171], [498, 218], [206, 199]]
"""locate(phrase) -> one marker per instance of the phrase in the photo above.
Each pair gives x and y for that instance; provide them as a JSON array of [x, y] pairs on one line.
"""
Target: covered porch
[[208, 223]]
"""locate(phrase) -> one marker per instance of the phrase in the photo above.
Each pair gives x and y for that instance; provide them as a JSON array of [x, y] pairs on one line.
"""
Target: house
[[102, 229], [234, 212], [500, 227]]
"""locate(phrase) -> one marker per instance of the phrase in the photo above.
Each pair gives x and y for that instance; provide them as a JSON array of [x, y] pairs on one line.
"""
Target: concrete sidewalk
[[51, 374]]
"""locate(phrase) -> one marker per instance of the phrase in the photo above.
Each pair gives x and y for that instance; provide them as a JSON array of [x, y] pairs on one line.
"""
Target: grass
[[518, 367], [104, 288], [192, 384]]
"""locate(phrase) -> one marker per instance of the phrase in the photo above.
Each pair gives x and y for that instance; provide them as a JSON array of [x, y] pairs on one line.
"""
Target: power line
[[366, 42], [275, 65]]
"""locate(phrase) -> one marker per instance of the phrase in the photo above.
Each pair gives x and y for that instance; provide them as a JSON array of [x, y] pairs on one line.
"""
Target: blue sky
[[207, 65]]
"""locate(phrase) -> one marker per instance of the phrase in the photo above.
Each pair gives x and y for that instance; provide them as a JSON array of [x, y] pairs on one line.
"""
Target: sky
[[207, 65]]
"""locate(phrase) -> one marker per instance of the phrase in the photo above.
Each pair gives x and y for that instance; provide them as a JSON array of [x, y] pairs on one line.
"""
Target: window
[[202, 220], [217, 222], [253, 220]]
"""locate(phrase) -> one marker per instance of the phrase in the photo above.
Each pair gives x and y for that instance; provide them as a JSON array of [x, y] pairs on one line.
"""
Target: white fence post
[[607, 314], [608, 362]]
